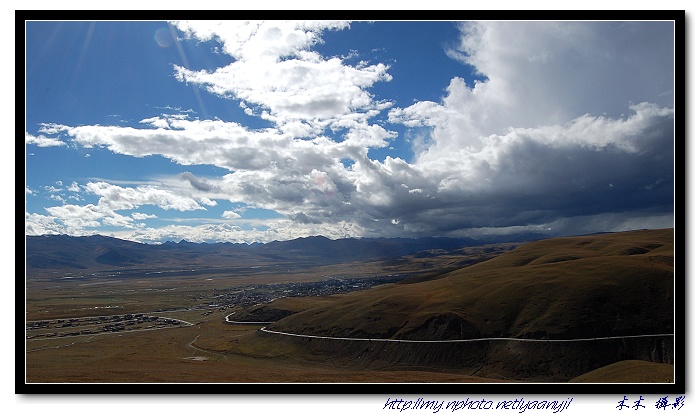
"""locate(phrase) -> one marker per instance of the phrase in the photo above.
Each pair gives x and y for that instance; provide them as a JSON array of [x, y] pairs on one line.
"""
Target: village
[[219, 300], [98, 324], [251, 295]]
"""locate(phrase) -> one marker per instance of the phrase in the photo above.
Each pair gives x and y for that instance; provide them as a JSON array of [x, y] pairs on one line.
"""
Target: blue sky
[[227, 131]]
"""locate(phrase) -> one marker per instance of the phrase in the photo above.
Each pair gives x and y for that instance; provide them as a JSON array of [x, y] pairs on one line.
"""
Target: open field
[[210, 350], [201, 353], [563, 289]]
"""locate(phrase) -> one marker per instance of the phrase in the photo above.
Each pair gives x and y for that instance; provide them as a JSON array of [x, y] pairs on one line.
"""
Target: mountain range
[[82, 255]]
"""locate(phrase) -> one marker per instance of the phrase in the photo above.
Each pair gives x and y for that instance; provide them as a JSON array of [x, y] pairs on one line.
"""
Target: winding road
[[461, 340], [602, 338]]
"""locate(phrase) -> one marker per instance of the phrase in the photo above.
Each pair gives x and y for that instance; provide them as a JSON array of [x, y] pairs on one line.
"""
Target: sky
[[257, 131]]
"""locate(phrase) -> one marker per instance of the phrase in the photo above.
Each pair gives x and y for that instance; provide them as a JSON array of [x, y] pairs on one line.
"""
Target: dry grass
[[628, 372], [220, 354], [602, 285], [573, 287], [579, 287]]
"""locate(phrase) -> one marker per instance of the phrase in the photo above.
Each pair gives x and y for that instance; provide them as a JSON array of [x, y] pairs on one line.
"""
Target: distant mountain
[[60, 253], [52, 252], [322, 249]]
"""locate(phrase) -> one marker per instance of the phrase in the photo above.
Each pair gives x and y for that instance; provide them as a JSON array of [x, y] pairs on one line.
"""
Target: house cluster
[[100, 324], [255, 294]]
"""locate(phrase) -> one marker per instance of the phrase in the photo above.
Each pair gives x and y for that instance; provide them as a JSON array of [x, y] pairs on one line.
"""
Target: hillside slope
[[593, 286], [576, 287], [628, 372]]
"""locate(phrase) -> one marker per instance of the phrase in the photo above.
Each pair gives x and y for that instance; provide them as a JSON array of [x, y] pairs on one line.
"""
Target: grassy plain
[[210, 351]]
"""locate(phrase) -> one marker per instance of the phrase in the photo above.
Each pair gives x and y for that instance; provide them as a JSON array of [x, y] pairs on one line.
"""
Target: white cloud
[[42, 141], [74, 187], [544, 73], [78, 217], [142, 216], [213, 142], [207, 202], [278, 229], [230, 215], [114, 197], [38, 224], [74, 219], [278, 77], [260, 39], [52, 128]]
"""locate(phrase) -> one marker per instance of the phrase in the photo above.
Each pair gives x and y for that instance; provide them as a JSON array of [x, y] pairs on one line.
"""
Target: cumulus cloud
[[230, 215], [114, 197], [38, 224], [211, 142], [544, 73], [276, 76], [75, 219], [74, 216], [42, 141], [571, 130], [142, 216], [74, 187], [207, 202], [533, 143]]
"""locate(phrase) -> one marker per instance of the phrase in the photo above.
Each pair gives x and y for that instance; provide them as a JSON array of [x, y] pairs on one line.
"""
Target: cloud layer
[[571, 131]]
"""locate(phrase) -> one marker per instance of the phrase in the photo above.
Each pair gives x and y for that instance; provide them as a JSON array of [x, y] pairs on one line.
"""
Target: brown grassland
[[603, 285]]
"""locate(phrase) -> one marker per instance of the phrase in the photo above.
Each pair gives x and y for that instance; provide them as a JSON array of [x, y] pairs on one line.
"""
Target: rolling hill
[[604, 285]]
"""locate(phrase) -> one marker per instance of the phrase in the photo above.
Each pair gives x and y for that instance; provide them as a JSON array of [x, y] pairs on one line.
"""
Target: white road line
[[461, 340], [241, 322]]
